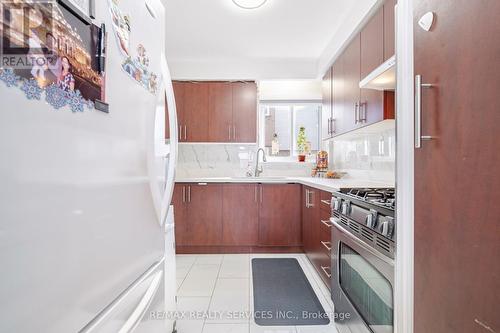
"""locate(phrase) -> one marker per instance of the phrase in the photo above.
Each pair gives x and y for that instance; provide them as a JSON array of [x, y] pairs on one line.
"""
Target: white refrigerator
[[86, 229]]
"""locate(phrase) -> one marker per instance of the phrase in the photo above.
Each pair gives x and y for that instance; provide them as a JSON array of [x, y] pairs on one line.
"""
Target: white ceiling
[[284, 39]]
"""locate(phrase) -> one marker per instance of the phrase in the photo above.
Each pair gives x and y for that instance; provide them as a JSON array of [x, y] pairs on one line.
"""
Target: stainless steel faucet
[[258, 169]]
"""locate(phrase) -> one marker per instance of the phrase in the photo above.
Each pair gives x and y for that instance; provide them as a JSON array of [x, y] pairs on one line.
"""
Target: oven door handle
[[360, 243]]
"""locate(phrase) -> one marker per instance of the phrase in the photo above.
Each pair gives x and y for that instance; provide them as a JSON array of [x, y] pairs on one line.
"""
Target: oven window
[[367, 289]]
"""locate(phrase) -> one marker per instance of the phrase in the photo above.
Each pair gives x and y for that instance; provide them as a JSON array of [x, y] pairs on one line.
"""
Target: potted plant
[[301, 144]]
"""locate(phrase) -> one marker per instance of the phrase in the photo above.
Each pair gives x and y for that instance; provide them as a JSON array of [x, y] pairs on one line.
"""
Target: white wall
[[272, 90]]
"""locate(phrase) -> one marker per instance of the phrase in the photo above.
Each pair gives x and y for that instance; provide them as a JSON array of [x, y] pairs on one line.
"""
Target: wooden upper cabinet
[[195, 127], [389, 29], [220, 106], [326, 110], [179, 105], [244, 111], [216, 111], [280, 215], [240, 214], [351, 91], [339, 120], [372, 43]]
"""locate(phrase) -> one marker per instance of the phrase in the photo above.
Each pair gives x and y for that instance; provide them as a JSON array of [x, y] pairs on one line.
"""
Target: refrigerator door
[[78, 224]]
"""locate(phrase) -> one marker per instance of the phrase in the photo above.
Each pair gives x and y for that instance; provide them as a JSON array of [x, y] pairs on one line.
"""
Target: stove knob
[[371, 219], [336, 202], [386, 227], [346, 207]]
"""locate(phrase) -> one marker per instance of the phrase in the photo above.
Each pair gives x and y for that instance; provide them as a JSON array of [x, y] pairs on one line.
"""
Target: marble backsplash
[[230, 160], [368, 153]]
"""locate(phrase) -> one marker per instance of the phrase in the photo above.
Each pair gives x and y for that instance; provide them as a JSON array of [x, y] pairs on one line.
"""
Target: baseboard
[[237, 249]]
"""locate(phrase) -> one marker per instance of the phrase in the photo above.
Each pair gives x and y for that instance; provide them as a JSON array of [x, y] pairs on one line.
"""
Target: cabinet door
[[339, 120], [389, 29], [180, 216], [372, 43], [351, 84], [220, 111], [326, 111], [280, 215], [181, 112], [457, 240], [310, 211], [244, 112], [240, 214], [306, 221], [204, 214], [196, 112]]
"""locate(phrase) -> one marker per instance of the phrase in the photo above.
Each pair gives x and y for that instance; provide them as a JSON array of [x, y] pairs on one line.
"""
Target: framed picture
[[84, 9]]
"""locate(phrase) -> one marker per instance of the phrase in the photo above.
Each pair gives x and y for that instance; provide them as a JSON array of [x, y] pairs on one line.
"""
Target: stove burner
[[385, 197]]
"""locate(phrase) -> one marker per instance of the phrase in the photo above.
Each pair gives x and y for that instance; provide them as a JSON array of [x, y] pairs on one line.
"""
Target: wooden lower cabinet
[[240, 214], [280, 215], [198, 214], [316, 230], [231, 218]]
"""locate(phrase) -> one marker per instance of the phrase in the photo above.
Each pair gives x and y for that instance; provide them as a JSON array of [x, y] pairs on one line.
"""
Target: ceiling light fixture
[[249, 4]]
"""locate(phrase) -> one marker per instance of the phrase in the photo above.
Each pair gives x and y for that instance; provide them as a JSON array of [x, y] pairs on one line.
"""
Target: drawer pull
[[327, 223], [323, 268], [326, 202], [327, 245]]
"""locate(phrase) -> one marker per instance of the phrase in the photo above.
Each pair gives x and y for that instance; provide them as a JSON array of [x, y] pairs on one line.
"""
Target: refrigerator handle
[[143, 306]]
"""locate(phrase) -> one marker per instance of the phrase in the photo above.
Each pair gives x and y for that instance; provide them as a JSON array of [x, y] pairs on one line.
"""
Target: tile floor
[[221, 283]]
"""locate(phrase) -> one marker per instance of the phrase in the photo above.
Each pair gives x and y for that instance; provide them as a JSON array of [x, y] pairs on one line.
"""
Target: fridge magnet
[[137, 68], [121, 26], [61, 56]]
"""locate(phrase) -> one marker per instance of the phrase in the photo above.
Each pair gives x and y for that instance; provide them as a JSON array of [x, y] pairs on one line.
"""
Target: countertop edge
[[319, 183]]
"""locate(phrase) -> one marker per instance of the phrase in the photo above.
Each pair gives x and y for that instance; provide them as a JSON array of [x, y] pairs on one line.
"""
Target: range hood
[[382, 78]]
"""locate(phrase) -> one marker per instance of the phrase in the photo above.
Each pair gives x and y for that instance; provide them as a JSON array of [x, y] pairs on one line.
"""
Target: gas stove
[[383, 197], [369, 214]]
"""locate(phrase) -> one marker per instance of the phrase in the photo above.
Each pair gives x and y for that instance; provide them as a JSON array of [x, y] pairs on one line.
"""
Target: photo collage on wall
[[54, 58], [136, 66]]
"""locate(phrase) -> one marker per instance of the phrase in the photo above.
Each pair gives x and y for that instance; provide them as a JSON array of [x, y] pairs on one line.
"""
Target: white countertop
[[324, 184]]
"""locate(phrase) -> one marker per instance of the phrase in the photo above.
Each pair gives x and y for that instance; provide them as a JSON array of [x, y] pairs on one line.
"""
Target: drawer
[[326, 198], [325, 226], [323, 267]]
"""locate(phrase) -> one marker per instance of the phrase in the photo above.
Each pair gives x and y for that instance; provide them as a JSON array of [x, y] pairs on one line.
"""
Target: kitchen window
[[280, 124]]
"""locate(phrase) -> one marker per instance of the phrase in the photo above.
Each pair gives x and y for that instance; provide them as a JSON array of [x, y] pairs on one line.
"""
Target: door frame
[[404, 268]]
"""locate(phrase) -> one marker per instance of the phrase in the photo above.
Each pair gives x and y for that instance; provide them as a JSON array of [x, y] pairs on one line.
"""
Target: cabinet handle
[[362, 111], [260, 193], [332, 125], [180, 132], [329, 125], [255, 194], [307, 198], [311, 203], [324, 268], [356, 113], [189, 193], [326, 202], [327, 223], [184, 194], [418, 111], [229, 131], [185, 132], [326, 245], [234, 132]]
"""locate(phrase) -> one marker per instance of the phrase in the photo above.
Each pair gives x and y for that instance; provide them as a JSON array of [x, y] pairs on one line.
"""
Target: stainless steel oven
[[362, 269]]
